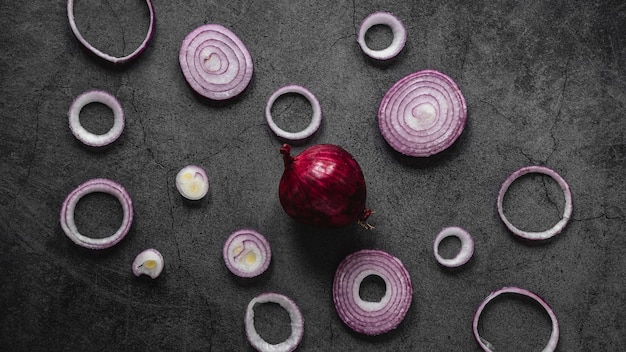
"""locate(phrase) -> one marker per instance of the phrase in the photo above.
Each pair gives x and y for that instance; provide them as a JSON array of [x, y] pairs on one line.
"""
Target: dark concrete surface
[[545, 84]]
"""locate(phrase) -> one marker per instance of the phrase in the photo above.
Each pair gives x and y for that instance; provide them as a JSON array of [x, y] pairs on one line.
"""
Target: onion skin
[[324, 186]]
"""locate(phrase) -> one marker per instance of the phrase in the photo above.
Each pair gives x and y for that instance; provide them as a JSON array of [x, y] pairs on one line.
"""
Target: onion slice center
[[247, 253], [149, 262], [297, 323]]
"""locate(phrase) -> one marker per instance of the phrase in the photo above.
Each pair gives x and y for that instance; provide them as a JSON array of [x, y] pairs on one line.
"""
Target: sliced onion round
[[247, 253], [397, 29], [105, 56], [316, 118], [567, 211], [148, 262], [372, 318], [192, 182], [464, 254], [297, 324], [96, 185], [215, 62], [486, 346], [422, 114], [88, 138]]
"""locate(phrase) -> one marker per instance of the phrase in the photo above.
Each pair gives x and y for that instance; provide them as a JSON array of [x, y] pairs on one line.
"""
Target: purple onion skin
[[323, 186]]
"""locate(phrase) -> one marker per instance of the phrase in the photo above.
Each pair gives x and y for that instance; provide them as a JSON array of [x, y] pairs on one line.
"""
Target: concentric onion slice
[[148, 262], [422, 114], [247, 253], [89, 138], [486, 346], [192, 182], [215, 62], [297, 324], [372, 318]]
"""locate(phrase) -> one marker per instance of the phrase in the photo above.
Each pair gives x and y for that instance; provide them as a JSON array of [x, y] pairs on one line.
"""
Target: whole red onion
[[323, 186]]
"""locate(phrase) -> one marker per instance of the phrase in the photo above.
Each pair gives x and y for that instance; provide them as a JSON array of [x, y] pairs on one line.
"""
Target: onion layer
[[148, 262], [486, 346], [422, 114], [96, 185], [247, 253], [372, 318], [192, 182], [297, 324], [105, 56], [316, 119], [567, 211], [467, 247], [88, 138], [215, 62], [397, 28]]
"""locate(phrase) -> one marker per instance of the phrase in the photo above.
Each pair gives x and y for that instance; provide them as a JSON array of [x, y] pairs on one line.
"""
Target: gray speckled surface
[[545, 84]]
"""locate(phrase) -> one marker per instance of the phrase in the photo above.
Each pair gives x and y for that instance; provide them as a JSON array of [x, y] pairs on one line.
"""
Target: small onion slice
[[567, 211], [486, 346], [397, 28], [215, 62], [372, 318], [105, 56], [148, 262], [466, 251], [247, 253], [422, 114], [96, 185], [297, 324], [88, 138], [316, 118], [192, 182]]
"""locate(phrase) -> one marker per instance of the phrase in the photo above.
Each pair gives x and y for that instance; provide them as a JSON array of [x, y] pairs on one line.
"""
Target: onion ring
[[467, 247], [192, 182], [397, 28], [486, 346], [215, 62], [88, 138], [102, 55], [297, 324], [148, 262], [422, 114], [247, 253], [372, 318], [316, 118], [567, 211], [96, 185]]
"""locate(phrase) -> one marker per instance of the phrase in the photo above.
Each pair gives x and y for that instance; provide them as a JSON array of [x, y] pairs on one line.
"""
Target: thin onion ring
[[237, 248], [397, 28], [297, 324], [567, 211], [486, 346], [96, 185], [105, 56], [86, 137], [466, 251], [316, 118]]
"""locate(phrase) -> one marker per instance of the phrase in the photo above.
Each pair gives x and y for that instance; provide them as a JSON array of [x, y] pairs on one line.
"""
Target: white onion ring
[[105, 56], [215, 62], [88, 138], [467, 247], [422, 114], [316, 118], [297, 324], [397, 28], [567, 211], [192, 182], [372, 318], [96, 185], [486, 346], [148, 262], [247, 253]]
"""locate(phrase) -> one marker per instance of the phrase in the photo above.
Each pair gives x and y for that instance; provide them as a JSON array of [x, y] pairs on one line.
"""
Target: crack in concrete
[[559, 109]]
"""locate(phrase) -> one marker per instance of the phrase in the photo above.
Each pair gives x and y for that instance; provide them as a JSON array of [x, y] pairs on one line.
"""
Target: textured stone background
[[545, 84]]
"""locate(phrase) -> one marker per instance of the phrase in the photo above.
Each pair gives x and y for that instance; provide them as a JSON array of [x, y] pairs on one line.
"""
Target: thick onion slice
[[148, 262], [297, 324], [422, 114], [486, 346], [96, 185], [567, 211], [105, 56], [372, 318], [192, 182], [397, 29], [247, 253], [88, 138], [316, 118], [464, 254], [215, 62]]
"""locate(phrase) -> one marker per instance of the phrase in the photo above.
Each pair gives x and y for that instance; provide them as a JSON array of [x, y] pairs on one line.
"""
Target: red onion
[[567, 211], [316, 119], [110, 58], [192, 182], [297, 324], [372, 318], [422, 114], [88, 138], [96, 185], [467, 246], [397, 28], [247, 253], [323, 186], [486, 346], [148, 262], [215, 62]]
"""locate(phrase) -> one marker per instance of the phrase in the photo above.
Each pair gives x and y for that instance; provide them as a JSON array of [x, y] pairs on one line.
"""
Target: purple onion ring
[[397, 28], [88, 138], [297, 324], [316, 118], [467, 246], [247, 253]]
